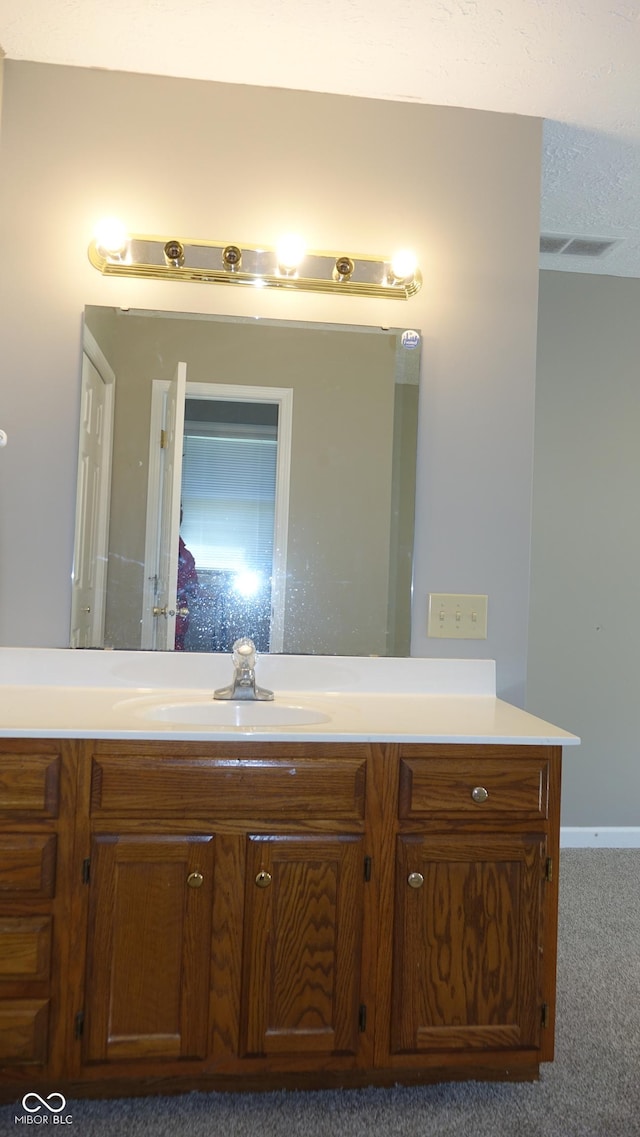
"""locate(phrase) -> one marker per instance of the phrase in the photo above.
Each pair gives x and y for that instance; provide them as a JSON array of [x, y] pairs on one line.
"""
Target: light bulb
[[290, 252], [403, 265], [111, 237]]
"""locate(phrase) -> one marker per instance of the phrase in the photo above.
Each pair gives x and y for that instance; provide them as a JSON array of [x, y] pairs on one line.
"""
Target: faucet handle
[[244, 680], [244, 654]]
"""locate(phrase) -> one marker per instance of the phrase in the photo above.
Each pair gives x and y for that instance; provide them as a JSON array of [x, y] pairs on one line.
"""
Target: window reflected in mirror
[[228, 500]]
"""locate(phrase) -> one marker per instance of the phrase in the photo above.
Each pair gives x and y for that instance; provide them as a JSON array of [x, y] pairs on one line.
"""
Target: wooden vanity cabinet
[[149, 946], [250, 915], [302, 947], [467, 944], [36, 830], [475, 904], [224, 908]]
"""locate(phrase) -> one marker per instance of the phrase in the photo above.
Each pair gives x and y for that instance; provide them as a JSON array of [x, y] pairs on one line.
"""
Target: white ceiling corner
[[575, 63]]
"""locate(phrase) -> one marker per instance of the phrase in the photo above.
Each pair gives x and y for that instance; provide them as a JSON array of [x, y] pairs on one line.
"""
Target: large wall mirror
[[244, 477]]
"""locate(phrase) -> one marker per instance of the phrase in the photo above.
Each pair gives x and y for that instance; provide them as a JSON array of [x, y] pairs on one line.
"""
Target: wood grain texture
[[550, 911], [25, 948], [302, 945], [23, 1031], [29, 779], [274, 786], [467, 949], [226, 948], [440, 786], [149, 945], [256, 989], [383, 802], [27, 865], [36, 837]]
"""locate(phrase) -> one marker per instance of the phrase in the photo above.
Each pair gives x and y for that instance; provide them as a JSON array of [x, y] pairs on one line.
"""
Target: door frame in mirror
[[92, 501], [282, 397]]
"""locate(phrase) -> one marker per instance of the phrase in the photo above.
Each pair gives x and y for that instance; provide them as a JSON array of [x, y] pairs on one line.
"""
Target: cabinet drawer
[[475, 784], [283, 787], [23, 1030], [25, 948], [29, 784], [27, 865]]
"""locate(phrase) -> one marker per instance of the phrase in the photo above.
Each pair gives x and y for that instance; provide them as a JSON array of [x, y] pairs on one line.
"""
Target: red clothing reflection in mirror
[[187, 587]]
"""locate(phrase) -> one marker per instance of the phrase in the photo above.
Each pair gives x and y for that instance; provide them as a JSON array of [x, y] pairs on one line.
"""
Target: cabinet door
[[302, 946], [467, 943], [149, 947]]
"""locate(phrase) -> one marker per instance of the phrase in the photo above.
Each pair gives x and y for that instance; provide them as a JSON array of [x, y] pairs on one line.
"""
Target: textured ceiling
[[575, 63]]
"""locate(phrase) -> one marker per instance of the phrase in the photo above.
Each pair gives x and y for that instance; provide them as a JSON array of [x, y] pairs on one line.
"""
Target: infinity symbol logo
[[43, 1102]]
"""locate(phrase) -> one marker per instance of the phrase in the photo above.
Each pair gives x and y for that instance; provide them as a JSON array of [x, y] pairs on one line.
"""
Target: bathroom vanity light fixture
[[113, 252], [290, 254], [111, 238], [403, 266]]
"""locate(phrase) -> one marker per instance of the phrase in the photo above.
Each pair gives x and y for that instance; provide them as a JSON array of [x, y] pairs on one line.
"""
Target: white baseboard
[[604, 837]]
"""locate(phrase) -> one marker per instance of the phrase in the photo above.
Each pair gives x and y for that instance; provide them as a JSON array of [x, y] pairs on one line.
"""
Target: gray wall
[[585, 596], [238, 163]]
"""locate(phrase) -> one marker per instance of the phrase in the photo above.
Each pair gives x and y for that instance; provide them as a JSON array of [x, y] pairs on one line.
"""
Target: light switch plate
[[457, 617]]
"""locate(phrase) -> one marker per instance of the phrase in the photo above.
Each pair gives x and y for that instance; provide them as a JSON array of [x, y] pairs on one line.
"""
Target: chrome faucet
[[244, 675]]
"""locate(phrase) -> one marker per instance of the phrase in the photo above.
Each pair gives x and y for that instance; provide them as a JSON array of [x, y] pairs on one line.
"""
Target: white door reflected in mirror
[[233, 491]]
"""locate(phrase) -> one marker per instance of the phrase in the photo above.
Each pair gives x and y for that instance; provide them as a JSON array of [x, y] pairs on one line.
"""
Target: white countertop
[[60, 693]]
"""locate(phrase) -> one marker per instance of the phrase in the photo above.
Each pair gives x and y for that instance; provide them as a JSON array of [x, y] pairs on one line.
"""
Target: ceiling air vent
[[550, 244], [576, 246]]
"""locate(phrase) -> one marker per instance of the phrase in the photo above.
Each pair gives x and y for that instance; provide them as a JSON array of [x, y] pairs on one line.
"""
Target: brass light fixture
[[343, 269], [174, 254], [289, 266], [232, 257]]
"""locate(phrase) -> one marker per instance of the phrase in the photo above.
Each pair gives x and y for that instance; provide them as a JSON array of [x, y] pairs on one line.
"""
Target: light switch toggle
[[457, 616]]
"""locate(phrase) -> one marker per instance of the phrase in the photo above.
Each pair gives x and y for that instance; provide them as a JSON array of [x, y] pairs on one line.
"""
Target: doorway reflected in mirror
[[229, 464]]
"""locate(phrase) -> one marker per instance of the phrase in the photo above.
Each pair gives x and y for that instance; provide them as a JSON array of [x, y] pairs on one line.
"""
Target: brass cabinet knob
[[415, 880], [479, 794], [263, 879], [195, 880]]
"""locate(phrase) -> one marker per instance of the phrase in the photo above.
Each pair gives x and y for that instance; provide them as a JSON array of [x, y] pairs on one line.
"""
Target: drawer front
[[487, 785], [27, 865], [23, 1031], [25, 948], [29, 784], [272, 787]]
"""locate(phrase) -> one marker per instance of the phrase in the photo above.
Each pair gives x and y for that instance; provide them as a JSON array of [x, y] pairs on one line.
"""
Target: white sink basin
[[239, 714]]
